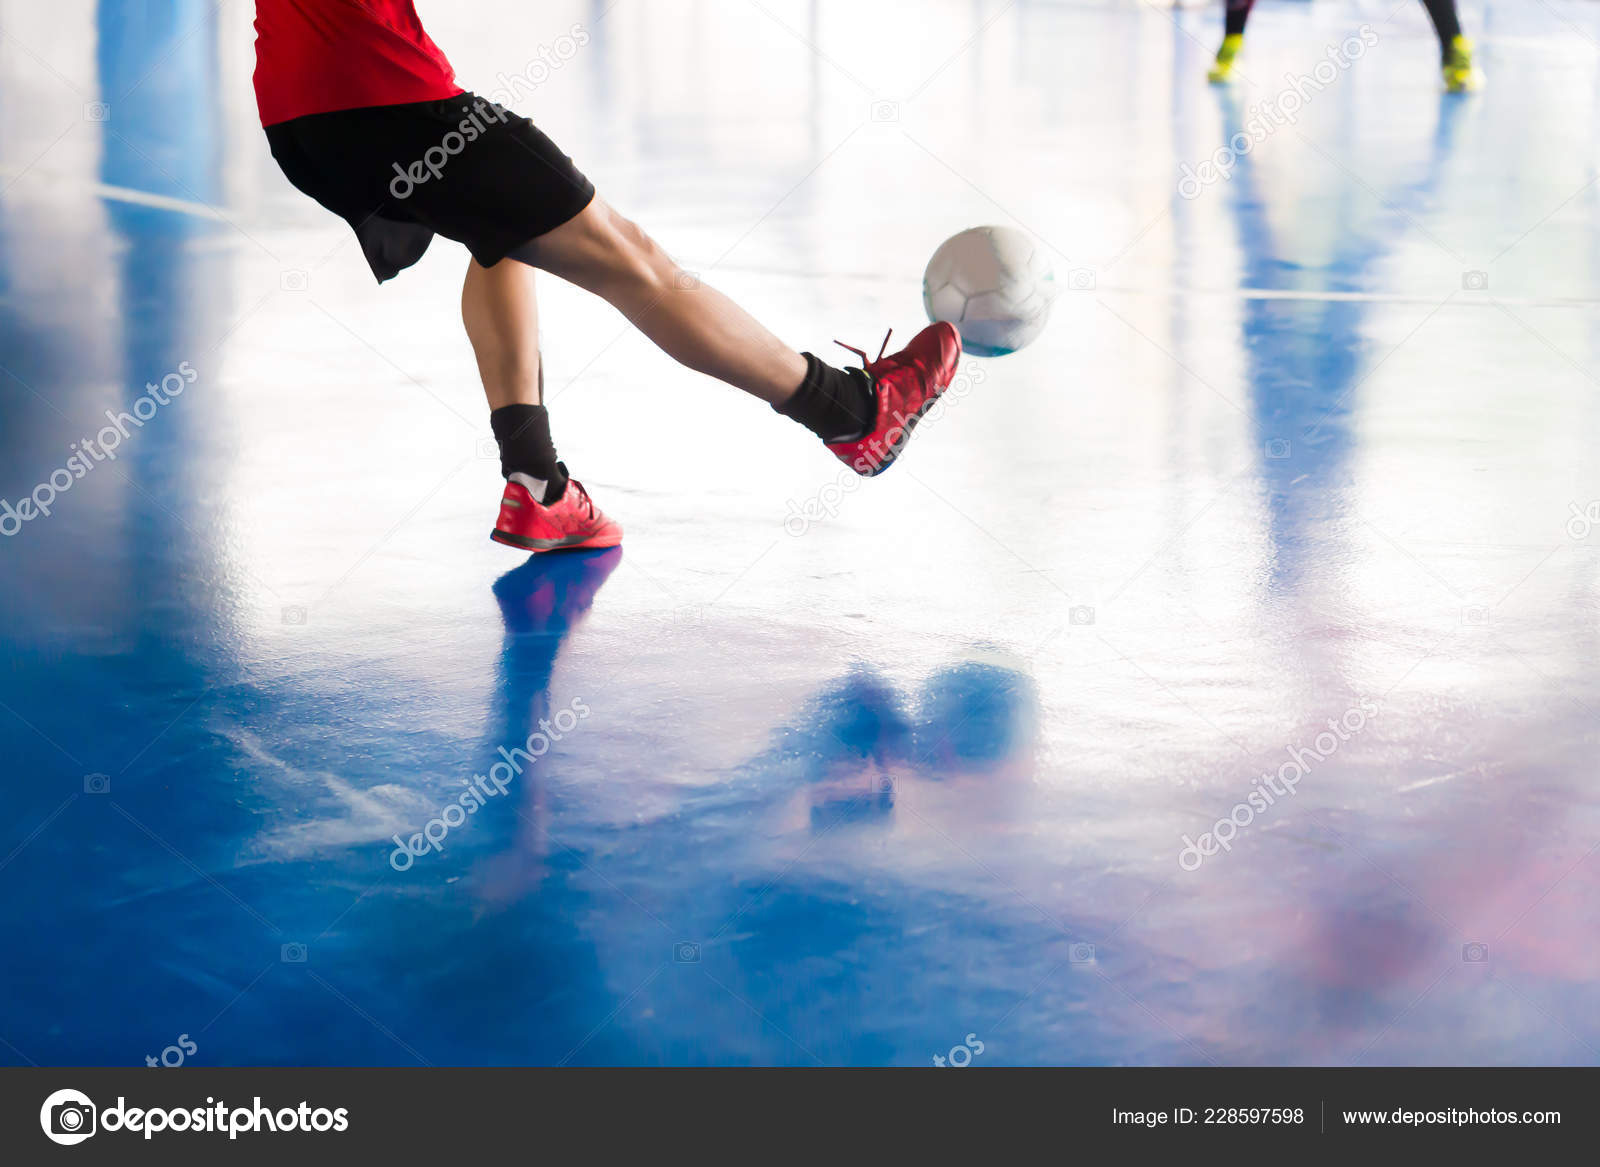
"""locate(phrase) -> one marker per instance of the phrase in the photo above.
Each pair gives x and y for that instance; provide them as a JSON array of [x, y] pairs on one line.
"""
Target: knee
[[631, 257]]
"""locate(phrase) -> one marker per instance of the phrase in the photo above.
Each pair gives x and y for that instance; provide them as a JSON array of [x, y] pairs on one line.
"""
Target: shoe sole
[[570, 543]]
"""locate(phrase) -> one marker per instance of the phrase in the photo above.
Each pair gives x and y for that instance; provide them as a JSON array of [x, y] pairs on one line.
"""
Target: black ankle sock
[[837, 405], [523, 433]]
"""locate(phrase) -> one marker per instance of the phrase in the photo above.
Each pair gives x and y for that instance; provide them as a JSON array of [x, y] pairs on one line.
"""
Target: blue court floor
[[1214, 682]]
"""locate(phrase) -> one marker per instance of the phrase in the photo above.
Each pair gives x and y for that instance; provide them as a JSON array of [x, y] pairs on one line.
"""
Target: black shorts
[[463, 168]]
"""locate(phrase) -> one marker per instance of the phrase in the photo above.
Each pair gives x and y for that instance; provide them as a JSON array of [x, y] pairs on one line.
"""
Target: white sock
[[534, 486]]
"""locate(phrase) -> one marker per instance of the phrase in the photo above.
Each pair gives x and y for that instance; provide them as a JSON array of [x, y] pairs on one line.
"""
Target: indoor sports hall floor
[[846, 774]]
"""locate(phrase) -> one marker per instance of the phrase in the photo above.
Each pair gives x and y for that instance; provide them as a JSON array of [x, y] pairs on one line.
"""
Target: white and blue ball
[[995, 284]]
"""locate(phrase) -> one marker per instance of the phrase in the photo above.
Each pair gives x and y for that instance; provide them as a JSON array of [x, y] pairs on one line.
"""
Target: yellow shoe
[[1222, 71], [1460, 74]]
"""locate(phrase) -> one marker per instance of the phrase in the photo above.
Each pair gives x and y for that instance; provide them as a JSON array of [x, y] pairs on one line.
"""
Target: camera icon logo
[[293, 953], [294, 614], [1082, 615], [886, 111], [1582, 521], [1081, 279], [1475, 281], [1081, 953], [1278, 449], [686, 281], [488, 450], [1475, 616], [68, 1117], [97, 783], [294, 280], [686, 952], [1475, 952], [96, 111]]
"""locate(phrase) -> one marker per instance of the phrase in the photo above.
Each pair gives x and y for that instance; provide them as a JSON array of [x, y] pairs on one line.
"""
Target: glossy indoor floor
[[849, 788]]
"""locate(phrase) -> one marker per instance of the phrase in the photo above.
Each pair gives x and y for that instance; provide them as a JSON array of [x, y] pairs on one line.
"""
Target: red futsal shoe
[[571, 521], [906, 384]]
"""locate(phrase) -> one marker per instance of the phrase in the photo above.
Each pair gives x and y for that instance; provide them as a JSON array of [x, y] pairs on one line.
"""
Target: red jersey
[[317, 56]]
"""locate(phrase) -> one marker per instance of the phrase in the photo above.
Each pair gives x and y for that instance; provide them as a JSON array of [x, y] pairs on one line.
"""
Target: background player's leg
[[1445, 21], [1237, 13], [1455, 50]]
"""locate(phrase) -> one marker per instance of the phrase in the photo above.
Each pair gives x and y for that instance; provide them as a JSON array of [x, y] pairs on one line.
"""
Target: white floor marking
[[123, 194]]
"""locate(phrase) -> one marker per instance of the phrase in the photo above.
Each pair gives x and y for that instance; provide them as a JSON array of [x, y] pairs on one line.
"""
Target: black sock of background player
[[837, 405], [1238, 13], [523, 432], [1445, 21]]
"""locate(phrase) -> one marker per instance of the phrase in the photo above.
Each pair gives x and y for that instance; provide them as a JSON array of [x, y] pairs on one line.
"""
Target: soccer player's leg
[[604, 253], [864, 415], [542, 509]]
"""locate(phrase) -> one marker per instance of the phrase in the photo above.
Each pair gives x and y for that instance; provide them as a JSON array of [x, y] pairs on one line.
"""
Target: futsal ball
[[994, 284]]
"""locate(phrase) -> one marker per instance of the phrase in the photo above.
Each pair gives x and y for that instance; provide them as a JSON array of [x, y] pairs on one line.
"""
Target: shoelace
[[852, 348], [587, 501]]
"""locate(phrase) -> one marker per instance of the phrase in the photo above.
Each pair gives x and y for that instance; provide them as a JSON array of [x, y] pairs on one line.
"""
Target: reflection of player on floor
[[1460, 75], [363, 114]]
